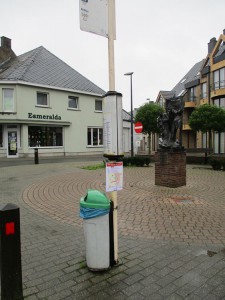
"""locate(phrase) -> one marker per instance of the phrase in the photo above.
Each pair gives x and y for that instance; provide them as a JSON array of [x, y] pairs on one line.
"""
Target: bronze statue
[[170, 123]]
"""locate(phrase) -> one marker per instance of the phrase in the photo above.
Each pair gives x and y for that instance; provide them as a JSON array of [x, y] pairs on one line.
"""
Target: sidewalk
[[171, 241]]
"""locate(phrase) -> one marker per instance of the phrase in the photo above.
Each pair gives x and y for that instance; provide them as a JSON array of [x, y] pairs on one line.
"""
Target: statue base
[[170, 167]]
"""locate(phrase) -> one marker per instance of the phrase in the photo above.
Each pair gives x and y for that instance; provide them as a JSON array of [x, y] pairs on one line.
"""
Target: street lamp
[[131, 114]]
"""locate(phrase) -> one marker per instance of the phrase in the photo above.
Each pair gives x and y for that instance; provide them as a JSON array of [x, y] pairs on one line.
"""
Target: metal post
[[36, 159], [131, 113], [10, 253]]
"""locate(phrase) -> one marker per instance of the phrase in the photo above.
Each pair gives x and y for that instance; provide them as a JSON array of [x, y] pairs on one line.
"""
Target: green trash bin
[[94, 209]]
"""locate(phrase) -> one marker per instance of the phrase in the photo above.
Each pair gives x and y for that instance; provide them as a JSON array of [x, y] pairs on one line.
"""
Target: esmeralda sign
[[44, 117]]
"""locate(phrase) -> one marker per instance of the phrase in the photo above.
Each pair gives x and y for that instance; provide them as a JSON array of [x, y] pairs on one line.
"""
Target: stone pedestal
[[170, 168]]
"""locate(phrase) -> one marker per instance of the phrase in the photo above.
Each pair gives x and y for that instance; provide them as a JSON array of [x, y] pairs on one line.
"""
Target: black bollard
[[10, 253], [36, 160]]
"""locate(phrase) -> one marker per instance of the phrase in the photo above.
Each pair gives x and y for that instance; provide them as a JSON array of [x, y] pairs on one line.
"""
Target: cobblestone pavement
[[171, 241]]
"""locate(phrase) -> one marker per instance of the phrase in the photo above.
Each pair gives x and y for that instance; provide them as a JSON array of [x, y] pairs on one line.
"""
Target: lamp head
[[129, 73]]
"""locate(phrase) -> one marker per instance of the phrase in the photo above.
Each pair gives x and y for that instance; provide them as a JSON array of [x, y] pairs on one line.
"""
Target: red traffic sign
[[138, 127]]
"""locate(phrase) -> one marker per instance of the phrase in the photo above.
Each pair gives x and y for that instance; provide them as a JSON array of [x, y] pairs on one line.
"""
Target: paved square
[[171, 241]]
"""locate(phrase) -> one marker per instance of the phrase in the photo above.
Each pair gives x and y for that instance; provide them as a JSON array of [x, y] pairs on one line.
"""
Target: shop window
[[42, 136], [42, 99], [73, 102], [1, 136], [98, 105], [95, 137], [8, 100]]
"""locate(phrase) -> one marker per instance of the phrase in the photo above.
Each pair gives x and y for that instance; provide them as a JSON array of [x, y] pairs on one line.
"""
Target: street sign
[[138, 127]]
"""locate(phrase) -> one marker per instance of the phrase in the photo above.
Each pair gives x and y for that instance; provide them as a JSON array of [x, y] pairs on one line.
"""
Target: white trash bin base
[[96, 233]]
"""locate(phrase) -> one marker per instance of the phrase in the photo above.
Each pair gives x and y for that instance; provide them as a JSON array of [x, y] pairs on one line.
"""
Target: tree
[[147, 114], [208, 118]]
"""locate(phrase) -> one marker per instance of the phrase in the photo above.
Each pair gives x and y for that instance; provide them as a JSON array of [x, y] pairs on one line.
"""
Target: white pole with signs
[[99, 17]]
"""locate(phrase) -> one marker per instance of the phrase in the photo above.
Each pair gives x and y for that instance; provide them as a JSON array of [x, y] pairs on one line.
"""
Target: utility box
[[94, 209]]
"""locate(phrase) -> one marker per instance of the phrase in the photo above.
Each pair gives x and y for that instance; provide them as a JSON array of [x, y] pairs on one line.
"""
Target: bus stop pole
[[111, 37]]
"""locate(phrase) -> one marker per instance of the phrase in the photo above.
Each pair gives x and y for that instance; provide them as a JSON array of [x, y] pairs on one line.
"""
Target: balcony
[[186, 127], [203, 101], [218, 89], [190, 103]]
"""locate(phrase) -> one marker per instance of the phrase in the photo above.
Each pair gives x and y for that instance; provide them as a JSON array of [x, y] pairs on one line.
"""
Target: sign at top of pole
[[94, 16]]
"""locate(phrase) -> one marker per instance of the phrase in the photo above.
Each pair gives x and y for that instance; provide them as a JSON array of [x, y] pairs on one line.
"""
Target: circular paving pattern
[[193, 213]]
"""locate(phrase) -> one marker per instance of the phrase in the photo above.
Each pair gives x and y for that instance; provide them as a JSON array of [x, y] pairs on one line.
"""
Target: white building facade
[[46, 104]]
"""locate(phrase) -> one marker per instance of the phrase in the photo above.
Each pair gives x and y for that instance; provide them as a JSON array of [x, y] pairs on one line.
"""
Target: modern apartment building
[[204, 83]]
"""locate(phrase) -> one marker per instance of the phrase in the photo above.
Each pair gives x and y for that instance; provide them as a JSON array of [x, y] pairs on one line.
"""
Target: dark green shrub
[[133, 161], [139, 161], [215, 163], [147, 161], [126, 161], [223, 164]]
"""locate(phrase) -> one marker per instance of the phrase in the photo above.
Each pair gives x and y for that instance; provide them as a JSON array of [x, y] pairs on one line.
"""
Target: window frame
[[219, 83], [98, 101], [99, 137], [1, 136], [12, 104], [193, 93], [204, 90], [73, 98], [47, 97]]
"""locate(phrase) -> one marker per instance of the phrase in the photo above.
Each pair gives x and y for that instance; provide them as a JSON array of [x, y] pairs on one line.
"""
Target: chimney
[[211, 45], [5, 49], [5, 42]]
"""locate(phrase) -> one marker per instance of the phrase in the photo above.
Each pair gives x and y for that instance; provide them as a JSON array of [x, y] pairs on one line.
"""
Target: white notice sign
[[114, 176], [94, 16]]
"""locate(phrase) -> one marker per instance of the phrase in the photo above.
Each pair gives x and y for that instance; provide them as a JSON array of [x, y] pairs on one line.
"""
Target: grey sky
[[158, 40]]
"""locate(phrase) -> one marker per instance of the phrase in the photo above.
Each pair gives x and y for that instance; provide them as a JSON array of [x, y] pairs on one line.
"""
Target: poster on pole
[[114, 176], [94, 16]]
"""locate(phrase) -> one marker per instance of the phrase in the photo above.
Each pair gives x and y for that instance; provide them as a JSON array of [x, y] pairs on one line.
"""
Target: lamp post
[[131, 114]]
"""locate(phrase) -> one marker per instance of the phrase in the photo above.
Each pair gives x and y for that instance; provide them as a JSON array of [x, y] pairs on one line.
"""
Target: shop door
[[12, 144]]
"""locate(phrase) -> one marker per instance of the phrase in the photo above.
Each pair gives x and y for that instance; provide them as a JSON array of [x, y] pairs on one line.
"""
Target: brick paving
[[171, 240]]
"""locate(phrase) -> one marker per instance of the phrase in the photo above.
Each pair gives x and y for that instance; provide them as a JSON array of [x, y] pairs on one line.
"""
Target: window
[[219, 137], [220, 102], [219, 79], [95, 137], [1, 136], [193, 94], [42, 136], [98, 105], [8, 100], [42, 99], [73, 102], [204, 140], [204, 92]]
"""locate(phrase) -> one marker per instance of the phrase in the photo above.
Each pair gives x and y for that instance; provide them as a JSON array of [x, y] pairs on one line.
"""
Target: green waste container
[[94, 209]]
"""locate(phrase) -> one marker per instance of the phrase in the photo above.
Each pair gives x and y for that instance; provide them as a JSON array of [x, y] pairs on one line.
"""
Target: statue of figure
[[169, 123]]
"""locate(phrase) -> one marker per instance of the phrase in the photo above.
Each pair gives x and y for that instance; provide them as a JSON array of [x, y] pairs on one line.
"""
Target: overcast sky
[[158, 40]]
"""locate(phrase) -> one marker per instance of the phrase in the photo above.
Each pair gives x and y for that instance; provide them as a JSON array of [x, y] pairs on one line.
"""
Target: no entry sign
[[138, 127]]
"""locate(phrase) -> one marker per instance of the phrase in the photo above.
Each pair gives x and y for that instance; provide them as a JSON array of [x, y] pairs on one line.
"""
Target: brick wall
[[170, 168]]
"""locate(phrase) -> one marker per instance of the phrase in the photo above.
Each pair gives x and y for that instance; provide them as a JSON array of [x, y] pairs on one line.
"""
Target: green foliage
[[147, 114], [208, 117], [94, 167]]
